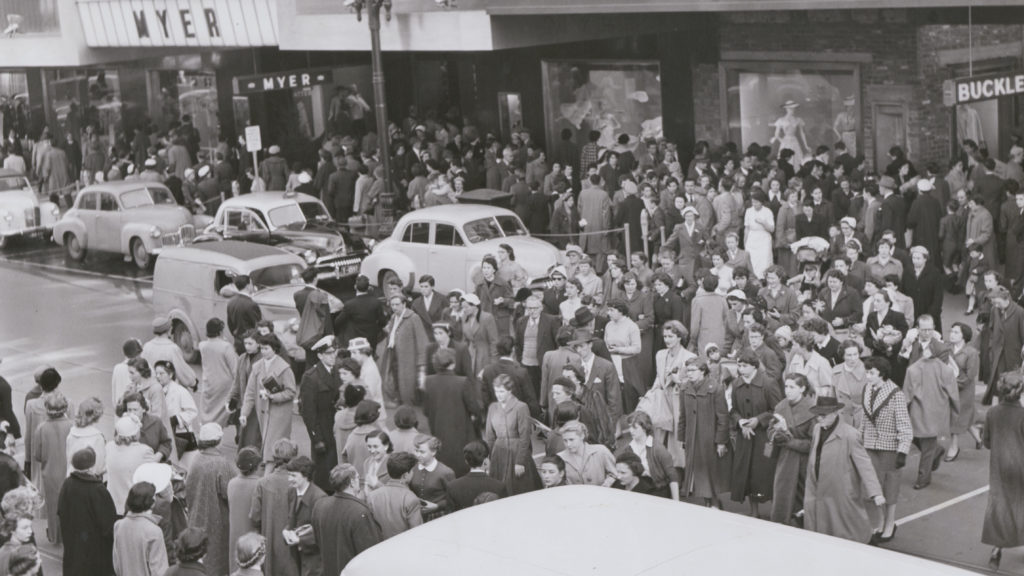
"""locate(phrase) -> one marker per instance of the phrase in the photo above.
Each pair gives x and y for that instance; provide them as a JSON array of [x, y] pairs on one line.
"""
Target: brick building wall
[[903, 66]]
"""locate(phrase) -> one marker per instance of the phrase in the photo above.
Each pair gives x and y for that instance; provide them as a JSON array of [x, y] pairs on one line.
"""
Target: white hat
[[419, 127], [560, 270], [689, 209], [921, 249], [210, 432], [570, 248], [849, 221], [925, 185], [304, 178], [204, 170], [275, 149], [471, 298], [127, 426], [159, 475], [150, 163], [784, 332], [737, 294], [358, 344], [189, 172], [323, 344]]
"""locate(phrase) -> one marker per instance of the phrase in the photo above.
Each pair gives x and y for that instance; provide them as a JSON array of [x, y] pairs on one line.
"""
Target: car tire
[[183, 337], [140, 256], [385, 277], [73, 247]]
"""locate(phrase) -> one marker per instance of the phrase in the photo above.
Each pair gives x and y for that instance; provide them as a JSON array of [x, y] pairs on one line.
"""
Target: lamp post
[[373, 10]]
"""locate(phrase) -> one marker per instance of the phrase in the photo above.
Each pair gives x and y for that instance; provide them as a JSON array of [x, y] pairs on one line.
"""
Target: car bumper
[[337, 267], [30, 231]]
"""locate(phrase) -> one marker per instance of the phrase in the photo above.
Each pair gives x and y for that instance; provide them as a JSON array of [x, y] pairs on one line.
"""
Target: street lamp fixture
[[373, 9]]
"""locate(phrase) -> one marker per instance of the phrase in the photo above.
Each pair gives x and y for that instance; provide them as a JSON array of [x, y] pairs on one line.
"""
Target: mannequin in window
[[789, 133], [845, 125], [968, 124]]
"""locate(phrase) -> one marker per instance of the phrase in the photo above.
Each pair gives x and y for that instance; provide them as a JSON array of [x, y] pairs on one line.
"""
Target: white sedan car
[[22, 213], [449, 242]]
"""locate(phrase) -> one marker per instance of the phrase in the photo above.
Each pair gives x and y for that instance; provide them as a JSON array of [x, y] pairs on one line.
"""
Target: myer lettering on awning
[[989, 86], [291, 80], [173, 23]]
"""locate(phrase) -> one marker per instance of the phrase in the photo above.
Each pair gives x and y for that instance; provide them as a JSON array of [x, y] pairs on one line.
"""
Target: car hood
[[318, 237], [277, 298], [18, 200]]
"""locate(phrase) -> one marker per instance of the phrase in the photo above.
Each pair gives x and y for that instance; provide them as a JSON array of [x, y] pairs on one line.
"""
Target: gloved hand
[[901, 460]]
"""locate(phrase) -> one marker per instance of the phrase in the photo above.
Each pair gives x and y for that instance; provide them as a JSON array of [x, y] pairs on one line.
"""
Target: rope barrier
[[613, 230]]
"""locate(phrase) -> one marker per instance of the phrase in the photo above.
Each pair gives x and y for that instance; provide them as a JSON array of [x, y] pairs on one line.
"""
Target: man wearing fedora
[[840, 477], [405, 353], [892, 212], [161, 347], [599, 374]]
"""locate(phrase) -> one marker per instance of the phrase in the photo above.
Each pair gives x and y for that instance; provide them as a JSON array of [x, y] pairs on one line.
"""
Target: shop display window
[[14, 108], [792, 105], [612, 98], [29, 17], [193, 93], [81, 97]]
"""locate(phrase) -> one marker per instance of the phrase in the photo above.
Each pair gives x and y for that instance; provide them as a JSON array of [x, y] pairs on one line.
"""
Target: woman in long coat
[[1004, 436], [480, 331], [49, 449], [273, 409], [206, 492], [495, 295], [669, 369], [785, 232], [840, 480], [641, 311], [968, 363], [240, 491], [270, 511], [508, 433], [219, 365], [792, 431], [449, 401], [87, 520], [708, 317], [754, 398], [248, 435], [704, 429]]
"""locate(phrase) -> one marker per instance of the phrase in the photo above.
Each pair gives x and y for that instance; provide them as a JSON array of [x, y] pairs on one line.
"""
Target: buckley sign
[[282, 81], [108, 23], [987, 87]]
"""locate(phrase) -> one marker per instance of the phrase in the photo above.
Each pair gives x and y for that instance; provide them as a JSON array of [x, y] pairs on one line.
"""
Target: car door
[[448, 258], [416, 245], [108, 223], [87, 208]]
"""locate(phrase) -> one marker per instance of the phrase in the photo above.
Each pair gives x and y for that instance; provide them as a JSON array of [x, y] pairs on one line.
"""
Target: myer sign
[[987, 87], [282, 81], [108, 23]]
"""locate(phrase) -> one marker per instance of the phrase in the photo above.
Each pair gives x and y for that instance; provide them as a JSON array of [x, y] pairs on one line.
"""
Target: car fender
[[49, 214], [183, 316], [141, 230], [70, 224], [380, 260]]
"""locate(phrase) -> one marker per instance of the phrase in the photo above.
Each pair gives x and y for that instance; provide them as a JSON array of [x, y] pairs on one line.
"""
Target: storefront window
[[194, 93], [793, 105], [81, 97], [30, 16], [14, 107], [612, 98]]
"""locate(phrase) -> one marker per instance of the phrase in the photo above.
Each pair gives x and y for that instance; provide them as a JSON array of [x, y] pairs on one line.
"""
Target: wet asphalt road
[[76, 315]]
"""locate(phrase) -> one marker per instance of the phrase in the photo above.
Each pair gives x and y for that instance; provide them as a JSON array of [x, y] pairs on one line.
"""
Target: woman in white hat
[[206, 491], [480, 331], [124, 454]]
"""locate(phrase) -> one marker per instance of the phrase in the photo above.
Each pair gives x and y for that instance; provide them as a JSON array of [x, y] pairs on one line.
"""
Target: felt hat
[[582, 317], [161, 324], [581, 337], [826, 405]]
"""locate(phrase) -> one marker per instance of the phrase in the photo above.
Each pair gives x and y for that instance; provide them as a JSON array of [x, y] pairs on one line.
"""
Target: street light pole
[[373, 8]]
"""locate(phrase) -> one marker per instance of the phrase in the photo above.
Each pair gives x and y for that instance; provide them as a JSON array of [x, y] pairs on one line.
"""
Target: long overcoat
[[703, 424], [791, 467], [449, 401], [595, 207], [87, 516], [836, 498], [411, 343], [318, 393], [1004, 436], [753, 473], [932, 396], [206, 492], [344, 526], [707, 321], [275, 411], [270, 514]]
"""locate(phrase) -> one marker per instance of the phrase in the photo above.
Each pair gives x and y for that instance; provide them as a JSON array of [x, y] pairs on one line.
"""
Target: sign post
[[254, 143]]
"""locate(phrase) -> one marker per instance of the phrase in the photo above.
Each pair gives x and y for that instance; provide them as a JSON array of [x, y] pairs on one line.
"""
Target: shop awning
[[178, 23]]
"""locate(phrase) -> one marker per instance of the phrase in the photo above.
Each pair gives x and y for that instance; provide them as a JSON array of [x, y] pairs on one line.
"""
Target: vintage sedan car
[[296, 222], [449, 242], [192, 284], [21, 212], [135, 218]]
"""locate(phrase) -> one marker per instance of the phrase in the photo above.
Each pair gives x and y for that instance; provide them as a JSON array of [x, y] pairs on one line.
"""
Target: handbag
[[305, 535], [272, 385], [655, 403]]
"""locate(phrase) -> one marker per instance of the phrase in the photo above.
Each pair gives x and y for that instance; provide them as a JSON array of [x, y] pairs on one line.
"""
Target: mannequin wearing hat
[[789, 133], [845, 124], [840, 477]]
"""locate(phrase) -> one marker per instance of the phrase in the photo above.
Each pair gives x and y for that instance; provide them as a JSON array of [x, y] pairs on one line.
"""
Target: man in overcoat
[[1007, 338], [318, 393], [344, 525], [932, 395], [595, 206], [405, 353]]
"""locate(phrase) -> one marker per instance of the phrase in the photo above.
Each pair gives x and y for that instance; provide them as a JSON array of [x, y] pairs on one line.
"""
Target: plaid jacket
[[885, 423]]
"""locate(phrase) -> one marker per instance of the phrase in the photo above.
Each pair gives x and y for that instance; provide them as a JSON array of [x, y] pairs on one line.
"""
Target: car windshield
[[493, 227], [146, 197], [284, 216], [280, 275], [8, 183]]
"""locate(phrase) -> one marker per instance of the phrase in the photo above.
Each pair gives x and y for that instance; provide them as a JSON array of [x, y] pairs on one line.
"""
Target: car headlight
[[309, 256], [55, 210], [155, 232], [370, 244]]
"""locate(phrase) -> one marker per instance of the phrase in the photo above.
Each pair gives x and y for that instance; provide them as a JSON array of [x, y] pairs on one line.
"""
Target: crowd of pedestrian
[[769, 333]]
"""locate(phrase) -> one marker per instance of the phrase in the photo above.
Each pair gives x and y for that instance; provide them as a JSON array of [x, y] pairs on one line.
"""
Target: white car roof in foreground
[[455, 214], [595, 531]]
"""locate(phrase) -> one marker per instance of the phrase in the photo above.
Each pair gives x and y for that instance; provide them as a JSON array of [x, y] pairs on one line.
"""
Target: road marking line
[[143, 280], [942, 506]]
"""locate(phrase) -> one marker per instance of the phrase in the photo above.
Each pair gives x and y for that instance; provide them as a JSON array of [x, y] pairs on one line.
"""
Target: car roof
[[596, 531], [240, 255], [457, 214], [119, 186], [268, 200]]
